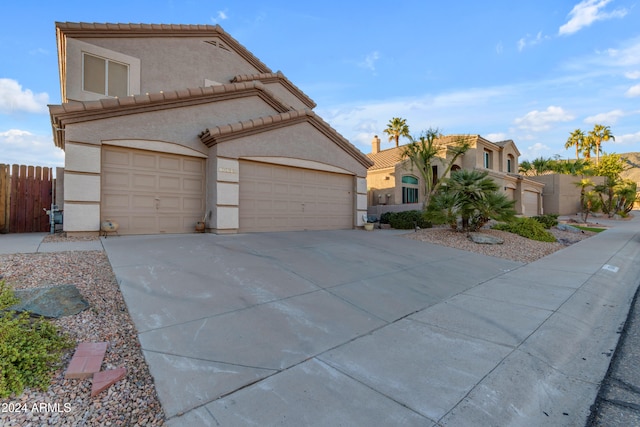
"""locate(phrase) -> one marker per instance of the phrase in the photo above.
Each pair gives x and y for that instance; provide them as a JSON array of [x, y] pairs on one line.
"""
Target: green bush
[[547, 220], [407, 220], [384, 218], [526, 227], [30, 349]]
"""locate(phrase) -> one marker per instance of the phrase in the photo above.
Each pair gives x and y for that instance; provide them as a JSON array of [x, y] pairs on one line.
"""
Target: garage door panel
[[169, 183], [142, 182], [193, 166], [117, 181], [144, 161], [169, 163], [280, 198], [147, 192], [195, 186]]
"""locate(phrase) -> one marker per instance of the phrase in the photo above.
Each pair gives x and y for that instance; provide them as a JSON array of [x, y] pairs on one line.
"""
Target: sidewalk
[[22, 243]]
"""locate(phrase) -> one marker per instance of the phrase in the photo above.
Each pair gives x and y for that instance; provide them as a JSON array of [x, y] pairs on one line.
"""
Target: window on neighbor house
[[487, 159], [510, 164], [104, 76], [409, 189]]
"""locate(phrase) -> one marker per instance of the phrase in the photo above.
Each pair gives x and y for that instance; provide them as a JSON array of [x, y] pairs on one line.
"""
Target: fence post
[[5, 191]]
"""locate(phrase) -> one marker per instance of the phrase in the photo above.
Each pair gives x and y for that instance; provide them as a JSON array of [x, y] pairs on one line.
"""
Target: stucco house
[[393, 184], [164, 125]]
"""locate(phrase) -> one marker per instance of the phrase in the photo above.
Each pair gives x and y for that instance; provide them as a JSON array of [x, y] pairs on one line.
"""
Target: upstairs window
[[510, 164], [487, 159], [104, 76]]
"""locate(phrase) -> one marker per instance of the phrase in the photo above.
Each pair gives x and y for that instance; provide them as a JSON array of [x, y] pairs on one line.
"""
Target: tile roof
[[114, 30], [273, 77], [385, 158], [391, 156], [217, 134], [74, 112]]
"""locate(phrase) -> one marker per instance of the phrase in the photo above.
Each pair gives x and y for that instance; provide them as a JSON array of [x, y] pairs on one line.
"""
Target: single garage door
[[282, 198], [530, 203], [147, 192]]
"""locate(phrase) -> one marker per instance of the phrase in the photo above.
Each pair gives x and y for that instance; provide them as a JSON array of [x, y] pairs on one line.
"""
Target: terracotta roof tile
[[386, 158], [212, 136], [277, 76]]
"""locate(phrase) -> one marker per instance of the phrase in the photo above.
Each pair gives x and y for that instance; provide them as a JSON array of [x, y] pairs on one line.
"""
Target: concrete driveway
[[360, 328]]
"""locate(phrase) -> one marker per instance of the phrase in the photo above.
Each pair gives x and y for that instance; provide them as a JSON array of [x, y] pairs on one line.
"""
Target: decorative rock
[[51, 302], [104, 379], [567, 227], [485, 239]]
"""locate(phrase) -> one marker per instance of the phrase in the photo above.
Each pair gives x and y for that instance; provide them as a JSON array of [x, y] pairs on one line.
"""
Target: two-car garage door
[[148, 192], [282, 198]]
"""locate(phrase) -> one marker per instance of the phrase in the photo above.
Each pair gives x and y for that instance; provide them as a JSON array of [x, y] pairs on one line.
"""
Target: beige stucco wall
[[170, 63], [561, 194], [178, 125], [297, 141]]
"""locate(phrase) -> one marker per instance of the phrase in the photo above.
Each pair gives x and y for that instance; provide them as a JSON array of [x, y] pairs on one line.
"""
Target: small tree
[[428, 148], [473, 198], [588, 200]]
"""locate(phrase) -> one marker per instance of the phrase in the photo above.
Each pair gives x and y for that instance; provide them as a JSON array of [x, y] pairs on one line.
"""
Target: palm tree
[[474, 197], [576, 139], [423, 152], [396, 128], [599, 134]]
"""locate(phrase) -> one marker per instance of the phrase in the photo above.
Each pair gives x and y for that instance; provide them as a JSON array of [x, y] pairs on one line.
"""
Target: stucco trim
[[79, 30], [277, 77], [298, 163], [77, 112], [229, 132], [160, 146]]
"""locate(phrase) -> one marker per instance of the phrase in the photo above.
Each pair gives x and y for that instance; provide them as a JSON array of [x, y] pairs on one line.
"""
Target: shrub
[[407, 220], [547, 220], [30, 349], [384, 218], [526, 227]]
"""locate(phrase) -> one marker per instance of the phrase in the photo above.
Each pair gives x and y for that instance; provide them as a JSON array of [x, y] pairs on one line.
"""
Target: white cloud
[[370, 61], [499, 48], [537, 121], [586, 13], [633, 91], [529, 40], [629, 138], [534, 151], [632, 75], [605, 118], [13, 98], [221, 15], [25, 148], [496, 137]]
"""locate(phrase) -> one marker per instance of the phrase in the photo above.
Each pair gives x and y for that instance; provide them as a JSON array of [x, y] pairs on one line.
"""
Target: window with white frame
[[104, 76], [487, 159], [409, 189], [509, 163]]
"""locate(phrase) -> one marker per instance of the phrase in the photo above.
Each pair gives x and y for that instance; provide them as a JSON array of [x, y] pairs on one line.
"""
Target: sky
[[528, 70]]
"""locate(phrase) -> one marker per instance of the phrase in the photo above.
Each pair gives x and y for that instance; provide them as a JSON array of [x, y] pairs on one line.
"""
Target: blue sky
[[531, 71]]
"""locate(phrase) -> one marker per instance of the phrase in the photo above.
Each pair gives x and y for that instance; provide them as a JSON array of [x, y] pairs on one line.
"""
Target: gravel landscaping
[[133, 400], [130, 402], [515, 248]]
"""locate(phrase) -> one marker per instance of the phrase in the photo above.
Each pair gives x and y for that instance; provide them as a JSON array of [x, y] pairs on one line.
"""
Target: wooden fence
[[24, 192]]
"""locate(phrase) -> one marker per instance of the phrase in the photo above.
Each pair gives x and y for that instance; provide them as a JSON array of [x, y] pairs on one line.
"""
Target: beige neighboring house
[[394, 185], [164, 125]]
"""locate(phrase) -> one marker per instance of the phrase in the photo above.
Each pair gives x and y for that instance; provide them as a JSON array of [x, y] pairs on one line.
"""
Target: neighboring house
[[394, 185], [164, 125], [562, 192]]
